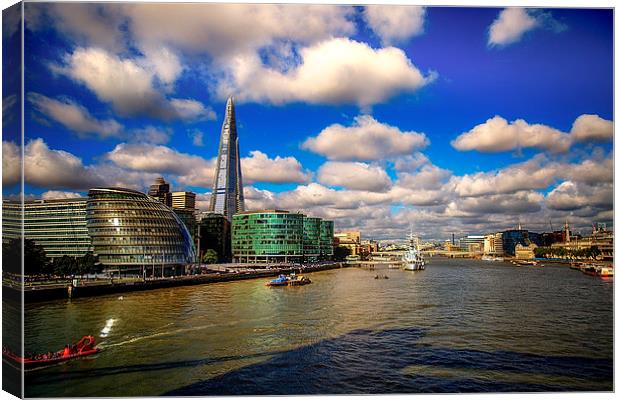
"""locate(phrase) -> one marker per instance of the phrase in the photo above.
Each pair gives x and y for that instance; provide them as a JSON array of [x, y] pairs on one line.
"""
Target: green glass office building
[[326, 239], [274, 236], [312, 236]]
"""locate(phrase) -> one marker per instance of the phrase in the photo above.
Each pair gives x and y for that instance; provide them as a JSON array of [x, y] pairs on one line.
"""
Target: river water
[[458, 326]]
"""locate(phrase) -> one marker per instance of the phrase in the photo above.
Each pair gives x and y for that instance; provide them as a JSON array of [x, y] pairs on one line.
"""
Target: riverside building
[[279, 236], [214, 234], [511, 238], [472, 243], [161, 191], [131, 231], [59, 226], [350, 240], [183, 200], [127, 230], [327, 239]]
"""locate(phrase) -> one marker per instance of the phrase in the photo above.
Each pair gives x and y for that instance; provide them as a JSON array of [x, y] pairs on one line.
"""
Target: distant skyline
[[449, 120]]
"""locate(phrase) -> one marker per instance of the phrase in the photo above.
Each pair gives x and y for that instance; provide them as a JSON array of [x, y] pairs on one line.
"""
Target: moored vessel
[[281, 280], [412, 259], [291, 280]]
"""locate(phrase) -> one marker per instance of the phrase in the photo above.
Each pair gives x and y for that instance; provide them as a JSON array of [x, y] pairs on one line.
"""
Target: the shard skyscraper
[[227, 193]]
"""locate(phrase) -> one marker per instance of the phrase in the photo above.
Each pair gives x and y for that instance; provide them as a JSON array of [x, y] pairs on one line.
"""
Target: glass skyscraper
[[227, 193]]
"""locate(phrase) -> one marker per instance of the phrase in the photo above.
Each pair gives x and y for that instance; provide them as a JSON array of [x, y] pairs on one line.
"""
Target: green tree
[[65, 266], [341, 253], [35, 260], [541, 252], [12, 257], [87, 264], [210, 257]]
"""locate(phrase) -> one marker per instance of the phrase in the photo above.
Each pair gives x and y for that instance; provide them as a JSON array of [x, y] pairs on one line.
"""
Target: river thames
[[458, 326]]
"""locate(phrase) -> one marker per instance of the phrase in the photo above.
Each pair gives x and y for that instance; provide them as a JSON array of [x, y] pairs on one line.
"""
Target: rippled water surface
[[459, 326]]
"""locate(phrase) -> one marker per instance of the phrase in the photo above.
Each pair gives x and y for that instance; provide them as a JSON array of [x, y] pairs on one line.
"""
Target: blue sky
[[465, 120]]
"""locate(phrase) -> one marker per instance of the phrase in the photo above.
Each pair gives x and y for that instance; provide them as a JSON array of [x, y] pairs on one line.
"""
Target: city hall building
[[127, 230]]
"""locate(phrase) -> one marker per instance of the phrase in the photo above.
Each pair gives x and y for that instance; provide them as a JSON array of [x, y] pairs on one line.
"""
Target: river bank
[[110, 286]]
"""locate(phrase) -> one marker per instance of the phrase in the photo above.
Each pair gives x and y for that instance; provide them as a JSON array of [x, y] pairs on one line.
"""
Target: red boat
[[85, 347]]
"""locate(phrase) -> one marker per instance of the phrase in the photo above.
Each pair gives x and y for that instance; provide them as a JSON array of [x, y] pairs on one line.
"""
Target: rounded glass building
[[131, 230]]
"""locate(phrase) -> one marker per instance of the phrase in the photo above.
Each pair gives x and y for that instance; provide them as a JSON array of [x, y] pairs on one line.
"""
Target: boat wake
[[154, 335]]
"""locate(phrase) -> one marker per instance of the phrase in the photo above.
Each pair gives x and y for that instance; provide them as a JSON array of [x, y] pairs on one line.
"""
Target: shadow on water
[[376, 361], [366, 361], [67, 376]]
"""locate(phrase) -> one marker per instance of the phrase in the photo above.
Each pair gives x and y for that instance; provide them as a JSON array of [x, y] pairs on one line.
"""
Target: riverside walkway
[[231, 272]]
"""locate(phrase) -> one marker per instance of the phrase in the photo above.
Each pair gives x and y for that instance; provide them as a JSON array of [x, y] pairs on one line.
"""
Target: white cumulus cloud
[[334, 71], [260, 168], [56, 169], [222, 30], [394, 24], [128, 85], [497, 135], [366, 139], [11, 163], [57, 194], [158, 159], [570, 196], [74, 117], [354, 175], [592, 127], [510, 26]]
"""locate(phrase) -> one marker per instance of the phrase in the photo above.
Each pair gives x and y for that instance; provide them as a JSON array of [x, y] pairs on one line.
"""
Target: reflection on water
[[459, 326]]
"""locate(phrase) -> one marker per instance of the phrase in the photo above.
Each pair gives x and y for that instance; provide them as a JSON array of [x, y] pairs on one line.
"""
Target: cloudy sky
[[451, 120]]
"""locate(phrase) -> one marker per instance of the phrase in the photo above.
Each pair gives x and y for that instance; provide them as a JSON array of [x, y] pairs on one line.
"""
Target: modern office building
[[472, 243], [188, 216], [511, 238], [268, 236], [493, 244], [131, 231], [161, 191], [214, 233], [59, 226], [327, 239], [227, 193], [312, 238], [273, 236], [183, 200], [350, 240]]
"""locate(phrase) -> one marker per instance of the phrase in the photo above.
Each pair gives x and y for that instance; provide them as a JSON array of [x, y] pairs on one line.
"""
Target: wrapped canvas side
[[12, 190]]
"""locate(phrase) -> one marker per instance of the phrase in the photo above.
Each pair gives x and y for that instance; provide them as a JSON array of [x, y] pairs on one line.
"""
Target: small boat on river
[[84, 347], [595, 270], [291, 280], [281, 280], [298, 280]]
